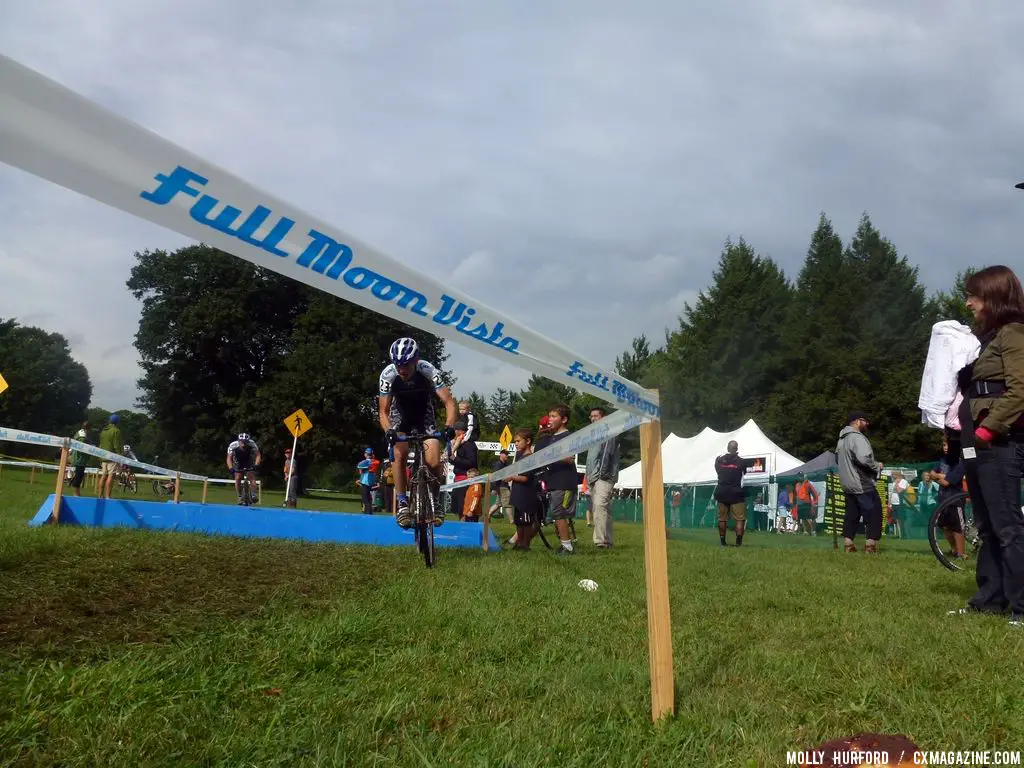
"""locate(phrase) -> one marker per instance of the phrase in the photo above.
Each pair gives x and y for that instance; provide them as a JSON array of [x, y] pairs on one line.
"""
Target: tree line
[[227, 346]]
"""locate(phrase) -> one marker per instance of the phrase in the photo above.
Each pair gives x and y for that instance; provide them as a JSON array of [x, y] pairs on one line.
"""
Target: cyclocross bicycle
[[424, 495], [953, 516], [126, 480]]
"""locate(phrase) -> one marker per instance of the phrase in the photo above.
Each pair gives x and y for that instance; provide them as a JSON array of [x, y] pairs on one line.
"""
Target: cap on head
[[368, 449], [857, 416], [114, 418], [81, 434]]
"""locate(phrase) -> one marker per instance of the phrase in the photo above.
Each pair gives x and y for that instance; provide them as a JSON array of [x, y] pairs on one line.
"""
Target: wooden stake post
[[659, 624], [59, 493], [206, 486], [485, 509], [177, 486]]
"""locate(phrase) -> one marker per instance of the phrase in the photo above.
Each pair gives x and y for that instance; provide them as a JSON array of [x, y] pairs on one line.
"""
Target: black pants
[[367, 499], [867, 506], [993, 480]]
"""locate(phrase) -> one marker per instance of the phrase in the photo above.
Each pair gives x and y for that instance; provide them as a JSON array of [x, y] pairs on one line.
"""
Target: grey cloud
[[599, 152]]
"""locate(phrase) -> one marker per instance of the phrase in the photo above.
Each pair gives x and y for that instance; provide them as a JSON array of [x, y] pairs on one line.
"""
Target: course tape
[[32, 438], [92, 450], [53, 132], [598, 432], [37, 438]]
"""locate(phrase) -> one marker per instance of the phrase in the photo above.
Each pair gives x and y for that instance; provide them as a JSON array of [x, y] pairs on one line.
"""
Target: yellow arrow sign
[[3, 384], [298, 423], [506, 438]]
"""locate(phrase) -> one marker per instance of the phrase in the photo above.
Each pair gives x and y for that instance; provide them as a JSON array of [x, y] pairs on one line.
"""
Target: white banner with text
[[53, 132]]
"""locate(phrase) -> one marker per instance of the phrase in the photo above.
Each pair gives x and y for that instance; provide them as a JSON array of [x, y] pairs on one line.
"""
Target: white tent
[[691, 460]]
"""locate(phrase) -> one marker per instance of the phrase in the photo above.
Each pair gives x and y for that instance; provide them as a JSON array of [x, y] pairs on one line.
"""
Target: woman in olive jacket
[[994, 449]]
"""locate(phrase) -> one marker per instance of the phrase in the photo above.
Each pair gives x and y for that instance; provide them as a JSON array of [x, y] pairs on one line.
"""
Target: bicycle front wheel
[[424, 516], [950, 528]]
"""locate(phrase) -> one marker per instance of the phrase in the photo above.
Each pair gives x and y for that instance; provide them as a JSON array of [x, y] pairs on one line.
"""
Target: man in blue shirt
[[367, 478]]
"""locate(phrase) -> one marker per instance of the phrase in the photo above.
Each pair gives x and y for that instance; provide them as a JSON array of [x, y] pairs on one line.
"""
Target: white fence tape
[[95, 471], [53, 132], [35, 438], [598, 432], [32, 438], [92, 450]]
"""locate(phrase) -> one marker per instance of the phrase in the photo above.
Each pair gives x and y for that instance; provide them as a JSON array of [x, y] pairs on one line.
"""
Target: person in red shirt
[[807, 506]]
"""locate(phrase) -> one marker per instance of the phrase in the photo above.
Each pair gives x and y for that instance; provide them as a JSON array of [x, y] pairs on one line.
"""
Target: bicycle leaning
[[424, 494], [952, 522]]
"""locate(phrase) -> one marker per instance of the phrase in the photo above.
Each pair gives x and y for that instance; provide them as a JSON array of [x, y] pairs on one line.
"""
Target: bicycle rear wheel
[[133, 484], [955, 515]]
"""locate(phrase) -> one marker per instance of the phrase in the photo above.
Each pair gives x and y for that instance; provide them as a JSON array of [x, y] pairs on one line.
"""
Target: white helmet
[[404, 350]]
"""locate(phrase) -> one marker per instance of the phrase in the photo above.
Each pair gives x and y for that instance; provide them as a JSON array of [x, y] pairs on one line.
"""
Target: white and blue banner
[[53, 132]]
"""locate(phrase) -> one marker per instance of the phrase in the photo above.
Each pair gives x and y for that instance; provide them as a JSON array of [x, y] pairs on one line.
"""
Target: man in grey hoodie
[[858, 472]]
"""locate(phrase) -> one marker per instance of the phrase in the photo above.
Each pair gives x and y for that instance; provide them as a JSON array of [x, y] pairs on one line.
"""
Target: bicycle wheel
[[952, 514], [424, 516], [133, 484], [157, 488]]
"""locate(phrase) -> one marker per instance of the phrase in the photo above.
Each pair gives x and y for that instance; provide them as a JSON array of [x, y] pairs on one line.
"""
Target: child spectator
[[474, 499], [291, 487], [524, 496]]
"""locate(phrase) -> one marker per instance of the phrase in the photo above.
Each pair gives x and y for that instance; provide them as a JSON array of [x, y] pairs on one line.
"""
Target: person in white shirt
[[896, 490]]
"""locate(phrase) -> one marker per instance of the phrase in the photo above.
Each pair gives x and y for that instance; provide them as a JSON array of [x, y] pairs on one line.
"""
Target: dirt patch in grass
[[127, 588]]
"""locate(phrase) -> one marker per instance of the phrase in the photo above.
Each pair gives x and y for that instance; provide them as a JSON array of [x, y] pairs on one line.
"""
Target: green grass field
[[128, 648]]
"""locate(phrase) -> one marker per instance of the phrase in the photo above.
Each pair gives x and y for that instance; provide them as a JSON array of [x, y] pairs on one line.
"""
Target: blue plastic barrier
[[260, 522]]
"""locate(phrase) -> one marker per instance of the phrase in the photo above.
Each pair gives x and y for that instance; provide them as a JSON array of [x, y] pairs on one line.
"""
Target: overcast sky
[[576, 164]]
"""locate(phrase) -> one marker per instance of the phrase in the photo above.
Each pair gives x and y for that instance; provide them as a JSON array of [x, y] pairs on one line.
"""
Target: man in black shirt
[[729, 492], [560, 479]]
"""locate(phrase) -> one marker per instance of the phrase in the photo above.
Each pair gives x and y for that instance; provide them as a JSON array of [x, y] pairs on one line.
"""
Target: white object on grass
[[588, 584]]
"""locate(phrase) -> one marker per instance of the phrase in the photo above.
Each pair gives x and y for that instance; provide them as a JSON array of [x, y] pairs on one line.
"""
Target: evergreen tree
[[717, 368]]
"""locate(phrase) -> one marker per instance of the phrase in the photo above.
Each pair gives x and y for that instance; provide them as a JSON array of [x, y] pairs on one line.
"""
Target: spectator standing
[[504, 502], [367, 479], [784, 503], [950, 480], [80, 459], [525, 496], [290, 485], [110, 440], [807, 506], [602, 470], [388, 485], [858, 472], [729, 493], [992, 435], [560, 479], [465, 457], [897, 488], [474, 500]]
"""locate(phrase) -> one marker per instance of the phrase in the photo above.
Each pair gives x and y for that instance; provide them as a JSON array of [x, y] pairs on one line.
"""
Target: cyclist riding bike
[[406, 404], [127, 452], [243, 459]]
